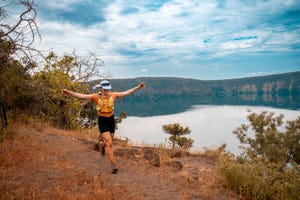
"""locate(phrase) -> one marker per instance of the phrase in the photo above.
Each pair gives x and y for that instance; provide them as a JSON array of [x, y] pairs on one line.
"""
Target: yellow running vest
[[105, 105]]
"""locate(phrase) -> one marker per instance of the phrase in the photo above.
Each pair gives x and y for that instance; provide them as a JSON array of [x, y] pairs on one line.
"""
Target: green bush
[[260, 180], [269, 167], [176, 131], [60, 111]]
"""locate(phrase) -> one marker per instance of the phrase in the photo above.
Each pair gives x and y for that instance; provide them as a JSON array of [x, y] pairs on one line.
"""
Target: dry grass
[[27, 173], [33, 169]]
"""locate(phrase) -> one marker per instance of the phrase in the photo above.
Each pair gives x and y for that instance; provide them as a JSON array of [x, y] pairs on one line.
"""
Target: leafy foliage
[[176, 130], [184, 143], [269, 143], [292, 139], [269, 165], [62, 111], [260, 180], [35, 91], [15, 80]]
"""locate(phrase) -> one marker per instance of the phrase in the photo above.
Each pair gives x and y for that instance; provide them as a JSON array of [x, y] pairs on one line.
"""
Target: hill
[[47, 163], [167, 95], [279, 84]]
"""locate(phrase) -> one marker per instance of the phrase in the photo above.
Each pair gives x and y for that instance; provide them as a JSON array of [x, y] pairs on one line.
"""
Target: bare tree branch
[[23, 32], [88, 67]]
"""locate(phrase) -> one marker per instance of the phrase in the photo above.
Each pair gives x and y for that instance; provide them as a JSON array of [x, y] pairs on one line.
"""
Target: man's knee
[[109, 142]]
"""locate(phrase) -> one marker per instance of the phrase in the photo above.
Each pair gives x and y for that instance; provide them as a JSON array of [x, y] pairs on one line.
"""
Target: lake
[[210, 125]]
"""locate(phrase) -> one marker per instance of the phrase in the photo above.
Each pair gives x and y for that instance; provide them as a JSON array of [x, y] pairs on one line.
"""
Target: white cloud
[[178, 30], [236, 45], [178, 26]]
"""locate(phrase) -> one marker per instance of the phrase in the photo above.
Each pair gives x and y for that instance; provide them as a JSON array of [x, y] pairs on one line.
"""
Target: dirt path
[[39, 164]]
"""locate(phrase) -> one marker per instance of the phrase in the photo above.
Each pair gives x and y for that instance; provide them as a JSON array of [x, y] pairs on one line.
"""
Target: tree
[[63, 72], [77, 68], [269, 143], [184, 143], [292, 140], [269, 165], [16, 41], [175, 130], [52, 106], [39, 94], [17, 35]]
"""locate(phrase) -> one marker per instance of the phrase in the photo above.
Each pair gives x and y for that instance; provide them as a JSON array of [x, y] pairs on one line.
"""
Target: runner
[[104, 101]]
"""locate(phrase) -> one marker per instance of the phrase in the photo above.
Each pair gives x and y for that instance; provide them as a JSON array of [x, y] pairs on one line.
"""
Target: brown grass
[[23, 157], [33, 168]]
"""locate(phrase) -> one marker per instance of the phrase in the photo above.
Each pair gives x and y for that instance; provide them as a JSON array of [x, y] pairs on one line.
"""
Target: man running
[[104, 101]]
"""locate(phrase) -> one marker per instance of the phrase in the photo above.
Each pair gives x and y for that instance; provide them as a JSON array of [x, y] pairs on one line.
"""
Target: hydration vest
[[105, 105]]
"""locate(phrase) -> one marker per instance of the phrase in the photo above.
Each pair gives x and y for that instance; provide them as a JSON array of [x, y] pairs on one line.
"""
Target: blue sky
[[207, 39]]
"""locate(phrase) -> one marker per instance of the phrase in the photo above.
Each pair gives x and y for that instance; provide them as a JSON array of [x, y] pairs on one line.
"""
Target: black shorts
[[106, 124]]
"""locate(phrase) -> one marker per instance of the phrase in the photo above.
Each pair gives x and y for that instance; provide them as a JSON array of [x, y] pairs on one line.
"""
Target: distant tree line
[[276, 85]]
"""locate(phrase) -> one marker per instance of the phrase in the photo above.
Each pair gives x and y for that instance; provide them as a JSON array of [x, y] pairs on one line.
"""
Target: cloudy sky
[[207, 39]]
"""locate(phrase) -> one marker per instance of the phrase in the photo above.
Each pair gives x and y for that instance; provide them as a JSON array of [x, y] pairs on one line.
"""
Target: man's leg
[[107, 137], [108, 146], [112, 136], [100, 144], [114, 168]]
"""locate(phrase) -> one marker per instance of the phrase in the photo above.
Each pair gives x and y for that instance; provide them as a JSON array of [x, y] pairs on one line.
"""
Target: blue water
[[210, 125]]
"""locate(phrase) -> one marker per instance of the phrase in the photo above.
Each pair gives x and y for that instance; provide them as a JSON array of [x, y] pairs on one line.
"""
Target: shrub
[[269, 167], [176, 131], [260, 180]]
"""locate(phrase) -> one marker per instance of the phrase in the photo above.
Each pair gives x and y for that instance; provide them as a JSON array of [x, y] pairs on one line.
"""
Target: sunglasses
[[105, 84]]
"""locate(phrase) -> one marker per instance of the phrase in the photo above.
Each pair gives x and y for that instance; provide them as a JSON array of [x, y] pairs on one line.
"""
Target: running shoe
[[114, 169]]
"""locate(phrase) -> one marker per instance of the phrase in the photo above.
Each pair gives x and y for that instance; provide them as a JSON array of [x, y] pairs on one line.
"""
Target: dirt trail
[[39, 164]]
